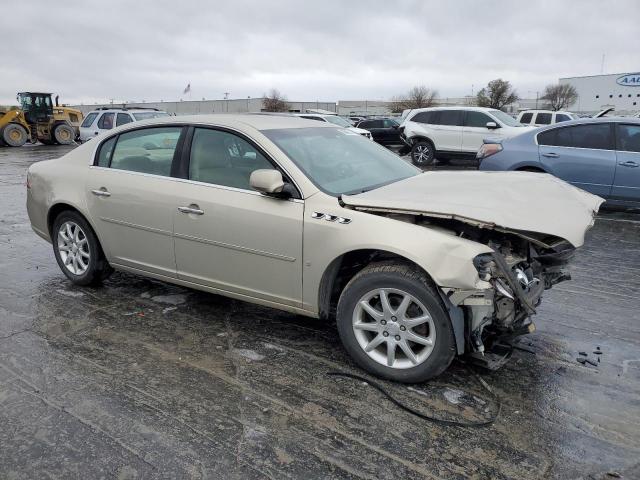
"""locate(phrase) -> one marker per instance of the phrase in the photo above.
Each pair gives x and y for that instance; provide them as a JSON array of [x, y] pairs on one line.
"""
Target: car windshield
[[147, 115], [339, 161], [505, 118], [341, 122]]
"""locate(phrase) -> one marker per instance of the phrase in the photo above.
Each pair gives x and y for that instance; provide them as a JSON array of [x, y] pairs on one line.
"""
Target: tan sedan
[[313, 219]]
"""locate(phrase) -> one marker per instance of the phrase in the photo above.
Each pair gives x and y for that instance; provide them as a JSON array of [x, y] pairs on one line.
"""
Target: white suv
[[538, 118], [104, 119], [446, 132]]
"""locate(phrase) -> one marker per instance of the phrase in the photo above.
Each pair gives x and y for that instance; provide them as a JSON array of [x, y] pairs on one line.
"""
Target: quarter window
[[106, 121], [628, 138], [561, 117], [88, 120], [477, 119], [451, 118], [526, 118], [104, 155], [123, 118], [543, 118], [222, 158], [148, 150]]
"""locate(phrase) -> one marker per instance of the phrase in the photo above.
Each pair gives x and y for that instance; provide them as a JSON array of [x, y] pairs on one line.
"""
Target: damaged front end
[[519, 270]]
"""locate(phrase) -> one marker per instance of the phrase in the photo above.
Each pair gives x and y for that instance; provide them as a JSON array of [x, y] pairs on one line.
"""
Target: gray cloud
[[310, 50]]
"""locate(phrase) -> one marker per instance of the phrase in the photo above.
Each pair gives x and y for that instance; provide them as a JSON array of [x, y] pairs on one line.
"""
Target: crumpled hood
[[514, 201]]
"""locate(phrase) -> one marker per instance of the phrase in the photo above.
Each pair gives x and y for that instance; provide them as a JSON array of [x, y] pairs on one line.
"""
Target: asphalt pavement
[[141, 379]]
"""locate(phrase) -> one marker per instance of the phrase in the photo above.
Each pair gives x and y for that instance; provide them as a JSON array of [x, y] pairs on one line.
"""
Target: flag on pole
[[188, 88]]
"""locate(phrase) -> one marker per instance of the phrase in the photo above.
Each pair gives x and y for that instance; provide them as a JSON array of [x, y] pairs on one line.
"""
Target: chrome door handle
[[629, 163], [191, 209], [101, 193], [550, 155]]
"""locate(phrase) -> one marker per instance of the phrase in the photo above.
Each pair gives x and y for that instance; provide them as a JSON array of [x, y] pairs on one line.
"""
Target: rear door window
[[123, 118], [596, 136], [543, 119], [106, 121], [451, 118], [148, 150], [88, 120], [526, 118]]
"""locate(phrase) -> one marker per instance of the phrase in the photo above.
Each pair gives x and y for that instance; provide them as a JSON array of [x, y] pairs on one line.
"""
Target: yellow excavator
[[38, 119]]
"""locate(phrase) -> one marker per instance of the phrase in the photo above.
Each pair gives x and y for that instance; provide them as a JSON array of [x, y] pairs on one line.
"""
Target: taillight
[[488, 149]]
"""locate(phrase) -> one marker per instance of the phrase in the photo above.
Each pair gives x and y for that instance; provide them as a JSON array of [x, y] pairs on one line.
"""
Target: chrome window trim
[[133, 126], [195, 182]]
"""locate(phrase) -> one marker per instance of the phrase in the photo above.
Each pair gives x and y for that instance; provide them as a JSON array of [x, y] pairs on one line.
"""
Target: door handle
[[629, 163], [101, 193], [191, 209], [550, 155]]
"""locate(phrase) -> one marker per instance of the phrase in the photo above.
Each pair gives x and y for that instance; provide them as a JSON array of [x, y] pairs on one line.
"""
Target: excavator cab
[[37, 107]]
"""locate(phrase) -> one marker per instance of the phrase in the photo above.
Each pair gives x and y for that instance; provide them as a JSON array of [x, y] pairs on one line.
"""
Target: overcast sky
[[325, 50]]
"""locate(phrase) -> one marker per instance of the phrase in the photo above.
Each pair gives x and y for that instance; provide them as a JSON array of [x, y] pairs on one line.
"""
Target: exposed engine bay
[[522, 266]]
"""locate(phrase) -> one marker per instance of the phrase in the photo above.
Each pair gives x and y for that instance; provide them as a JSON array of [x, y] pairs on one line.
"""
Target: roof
[[259, 122], [534, 110], [458, 107]]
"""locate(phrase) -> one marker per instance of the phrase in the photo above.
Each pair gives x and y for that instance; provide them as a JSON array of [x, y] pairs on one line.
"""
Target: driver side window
[[222, 158]]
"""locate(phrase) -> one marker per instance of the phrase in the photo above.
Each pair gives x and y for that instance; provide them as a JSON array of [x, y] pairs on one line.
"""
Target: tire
[[14, 135], [359, 329], [423, 153], [64, 134], [91, 266]]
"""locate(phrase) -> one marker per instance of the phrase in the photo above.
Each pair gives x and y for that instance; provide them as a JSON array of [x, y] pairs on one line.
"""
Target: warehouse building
[[597, 92]]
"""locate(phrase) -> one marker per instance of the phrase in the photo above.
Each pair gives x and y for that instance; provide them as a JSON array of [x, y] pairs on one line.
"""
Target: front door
[[228, 236], [130, 198], [581, 154], [475, 130], [626, 184]]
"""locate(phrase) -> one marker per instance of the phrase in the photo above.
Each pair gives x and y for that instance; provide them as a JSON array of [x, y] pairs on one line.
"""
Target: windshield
[[339, 161], [505, 118], [147, 115], [341, 122]]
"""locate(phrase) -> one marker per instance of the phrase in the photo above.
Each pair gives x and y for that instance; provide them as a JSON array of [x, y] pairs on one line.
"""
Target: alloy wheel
[[73, 248], [422, 154], [394, 328]]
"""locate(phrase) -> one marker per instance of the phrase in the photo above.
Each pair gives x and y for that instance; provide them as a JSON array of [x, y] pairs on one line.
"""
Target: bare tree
[[560, 96], [497, 94], [418, 97], [274, 101]]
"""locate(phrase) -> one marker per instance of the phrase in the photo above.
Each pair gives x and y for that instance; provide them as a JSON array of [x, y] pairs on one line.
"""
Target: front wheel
[[78, 251], [423, 153], [14, 135], [393, 324]]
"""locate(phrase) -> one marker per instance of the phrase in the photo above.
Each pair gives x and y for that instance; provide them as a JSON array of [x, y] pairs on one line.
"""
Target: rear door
[[130, 198], [449, 130], [475, 130], [626, 184], [580, 154]]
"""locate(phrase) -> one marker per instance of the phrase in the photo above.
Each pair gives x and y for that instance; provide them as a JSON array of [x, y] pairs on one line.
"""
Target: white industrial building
[[597, 92]]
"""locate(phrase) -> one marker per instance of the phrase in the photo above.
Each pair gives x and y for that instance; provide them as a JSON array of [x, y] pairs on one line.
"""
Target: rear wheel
[[14, 135], [64, 134], [423, 153], [78, 251], [393, 324]]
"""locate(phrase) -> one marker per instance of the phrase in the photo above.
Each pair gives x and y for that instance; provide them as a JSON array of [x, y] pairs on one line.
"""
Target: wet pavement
[[141, 379]]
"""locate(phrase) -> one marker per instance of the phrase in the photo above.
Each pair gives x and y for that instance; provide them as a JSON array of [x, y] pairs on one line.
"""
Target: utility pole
[[537, 100]]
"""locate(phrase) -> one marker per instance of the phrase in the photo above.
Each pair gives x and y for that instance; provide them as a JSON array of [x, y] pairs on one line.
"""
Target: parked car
[[599, 155], [446, 132], [385, 131], [104, 119], [355, 120], [539, 118], [335, 120], [305, 217]]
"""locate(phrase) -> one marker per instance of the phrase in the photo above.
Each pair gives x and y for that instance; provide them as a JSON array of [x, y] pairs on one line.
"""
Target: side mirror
[[492, 125], [267, 181]]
